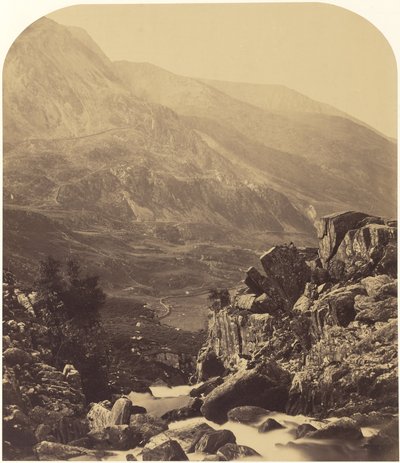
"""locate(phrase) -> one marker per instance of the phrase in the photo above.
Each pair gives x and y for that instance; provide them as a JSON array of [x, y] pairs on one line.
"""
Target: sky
[[323, 51]]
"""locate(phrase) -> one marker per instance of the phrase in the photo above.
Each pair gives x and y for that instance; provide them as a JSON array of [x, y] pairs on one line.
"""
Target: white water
[[278, 445]]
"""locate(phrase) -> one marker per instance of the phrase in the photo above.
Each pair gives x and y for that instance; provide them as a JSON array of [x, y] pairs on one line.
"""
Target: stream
[[277, 445]]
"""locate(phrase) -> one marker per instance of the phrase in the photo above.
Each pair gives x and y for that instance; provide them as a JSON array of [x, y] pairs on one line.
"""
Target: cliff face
[[329, 318]]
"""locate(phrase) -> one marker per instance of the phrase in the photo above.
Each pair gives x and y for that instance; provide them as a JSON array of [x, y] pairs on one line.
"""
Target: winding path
[[168, 308]]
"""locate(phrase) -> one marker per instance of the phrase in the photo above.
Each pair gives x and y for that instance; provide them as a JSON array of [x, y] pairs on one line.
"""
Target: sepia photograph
[[199, 239]]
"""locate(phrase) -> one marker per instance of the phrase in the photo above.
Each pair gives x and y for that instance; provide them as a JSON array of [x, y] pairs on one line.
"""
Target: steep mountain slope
[[347, 158], [86, 156]]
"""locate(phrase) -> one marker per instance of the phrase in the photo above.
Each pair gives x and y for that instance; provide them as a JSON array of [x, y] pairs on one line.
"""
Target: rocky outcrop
[[353, 245], [40, 400], [328, 322]]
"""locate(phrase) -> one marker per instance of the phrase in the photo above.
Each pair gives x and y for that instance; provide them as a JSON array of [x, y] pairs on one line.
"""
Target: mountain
[[309, 150], [137, 169], [124, 182]]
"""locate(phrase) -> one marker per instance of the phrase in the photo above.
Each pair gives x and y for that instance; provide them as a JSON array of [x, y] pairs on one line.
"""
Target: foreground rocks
[[50, 451], [328, 321]]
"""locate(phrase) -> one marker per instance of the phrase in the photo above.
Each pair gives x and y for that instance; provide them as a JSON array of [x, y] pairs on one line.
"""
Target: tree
[[81, 296], [50, 279], [221, 296]]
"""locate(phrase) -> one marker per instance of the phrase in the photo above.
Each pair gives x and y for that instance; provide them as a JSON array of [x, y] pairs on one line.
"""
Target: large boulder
[[212, 441], [189, 435], [287, 272], [206, 387], [269, 425], [50, 451], [304, 429], [353, 244], [99, 416], [121, 411], [167, 451], [122, 437], [265, 386], [191, 410], [331, 230], [236, 452]]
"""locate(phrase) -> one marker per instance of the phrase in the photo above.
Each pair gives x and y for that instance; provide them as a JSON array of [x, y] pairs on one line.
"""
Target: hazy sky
[[323, 51]]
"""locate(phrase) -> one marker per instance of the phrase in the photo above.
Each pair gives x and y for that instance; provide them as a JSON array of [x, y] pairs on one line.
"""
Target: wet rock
[[206, 387], [50, 451], [385, 444], [99, 416], [304, 429], [137, 409], [168, 451], [214, 457], [122, 437], [15, 356], [344, 428], [147, 425], [269, 425], [190, 435], [236, 452], [191, 410], [247, 414], [265, 386], [212, 441], [121, 411], [130, 457]]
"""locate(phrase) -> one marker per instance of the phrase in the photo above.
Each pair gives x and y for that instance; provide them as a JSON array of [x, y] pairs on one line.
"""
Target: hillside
[[287, 141]]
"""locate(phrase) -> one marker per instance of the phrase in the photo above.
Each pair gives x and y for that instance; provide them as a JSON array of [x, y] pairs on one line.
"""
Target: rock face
[[328, 322], [266, 386]]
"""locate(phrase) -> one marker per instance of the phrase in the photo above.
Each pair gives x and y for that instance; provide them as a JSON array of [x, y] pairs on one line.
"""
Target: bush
[[82, 296]]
